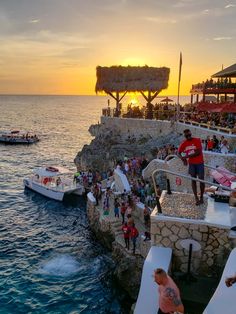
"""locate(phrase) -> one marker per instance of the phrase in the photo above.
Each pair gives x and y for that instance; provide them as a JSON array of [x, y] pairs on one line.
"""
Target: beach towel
[[223, 176]]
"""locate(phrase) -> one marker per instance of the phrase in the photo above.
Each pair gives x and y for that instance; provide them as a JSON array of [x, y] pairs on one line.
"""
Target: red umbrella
[[229, 108], [210, 107]]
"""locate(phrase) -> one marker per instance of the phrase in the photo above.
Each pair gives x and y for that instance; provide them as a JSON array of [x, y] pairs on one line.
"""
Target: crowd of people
[[188, 113], [123, 205], [166, 150], [210, 118], [211, 143], [220, 83], [90, 177], [216, 145]]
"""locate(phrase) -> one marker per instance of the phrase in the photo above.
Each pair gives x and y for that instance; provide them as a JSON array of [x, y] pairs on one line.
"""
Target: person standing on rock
[[169, 295], [116, 208], [126, 232], [134, 235], [122, 211], [106, 202], [146, 216], [191, 150]]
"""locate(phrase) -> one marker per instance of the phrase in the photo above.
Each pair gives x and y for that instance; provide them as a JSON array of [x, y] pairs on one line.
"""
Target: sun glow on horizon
[[57, 51], [133, 61]]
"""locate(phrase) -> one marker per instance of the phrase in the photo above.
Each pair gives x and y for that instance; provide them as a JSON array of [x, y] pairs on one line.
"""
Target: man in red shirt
[[169, 295], [191, 150]]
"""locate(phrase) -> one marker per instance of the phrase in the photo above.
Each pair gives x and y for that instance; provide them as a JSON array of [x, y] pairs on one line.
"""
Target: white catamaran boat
[[18, 137], [53, 182]]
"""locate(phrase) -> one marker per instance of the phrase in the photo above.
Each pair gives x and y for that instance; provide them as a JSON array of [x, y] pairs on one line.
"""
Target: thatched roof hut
[[131, 79]]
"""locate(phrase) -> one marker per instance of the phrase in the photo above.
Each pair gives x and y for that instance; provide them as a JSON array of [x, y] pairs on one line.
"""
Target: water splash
[[62, 266]]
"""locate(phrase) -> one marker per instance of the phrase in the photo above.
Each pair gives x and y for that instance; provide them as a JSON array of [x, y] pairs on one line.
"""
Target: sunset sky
[[54, 46]]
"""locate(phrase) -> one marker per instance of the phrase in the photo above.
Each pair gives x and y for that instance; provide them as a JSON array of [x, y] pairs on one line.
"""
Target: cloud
[[159, 20], [230, 5], [206, 11], [223, 38], [34, 21], [182, 3]]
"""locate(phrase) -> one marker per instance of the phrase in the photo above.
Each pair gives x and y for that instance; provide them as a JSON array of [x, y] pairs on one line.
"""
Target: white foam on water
[[64, 265]]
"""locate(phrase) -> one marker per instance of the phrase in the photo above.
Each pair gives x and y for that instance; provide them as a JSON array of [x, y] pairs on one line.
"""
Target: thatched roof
[[131, 79], [228, 72]]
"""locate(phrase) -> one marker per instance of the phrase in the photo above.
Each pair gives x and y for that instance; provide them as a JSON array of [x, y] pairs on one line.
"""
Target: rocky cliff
[[110, 145]]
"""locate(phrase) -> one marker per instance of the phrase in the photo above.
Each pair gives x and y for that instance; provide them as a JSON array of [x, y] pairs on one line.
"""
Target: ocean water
[[49, 259]]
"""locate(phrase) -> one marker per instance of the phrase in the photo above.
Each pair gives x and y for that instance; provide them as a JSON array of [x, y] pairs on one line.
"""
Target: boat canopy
[[16, 132], [51, 171]]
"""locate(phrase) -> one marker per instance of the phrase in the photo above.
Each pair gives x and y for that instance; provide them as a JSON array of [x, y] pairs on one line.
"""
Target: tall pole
[[180, 69]]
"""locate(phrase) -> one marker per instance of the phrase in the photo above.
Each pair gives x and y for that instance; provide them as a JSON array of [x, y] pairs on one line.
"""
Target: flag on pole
[[180, 69], [180, 66]]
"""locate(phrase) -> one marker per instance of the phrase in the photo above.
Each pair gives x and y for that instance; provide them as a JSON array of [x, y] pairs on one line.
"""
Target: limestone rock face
[[110, 145], [128, 270]]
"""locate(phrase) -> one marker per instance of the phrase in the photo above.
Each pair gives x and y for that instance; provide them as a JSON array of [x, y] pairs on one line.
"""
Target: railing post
[[168, 186], [189, 259], [158, 205]]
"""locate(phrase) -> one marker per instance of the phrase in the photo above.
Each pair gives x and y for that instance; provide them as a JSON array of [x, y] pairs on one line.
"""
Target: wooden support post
[[149, 107], [118, 100]]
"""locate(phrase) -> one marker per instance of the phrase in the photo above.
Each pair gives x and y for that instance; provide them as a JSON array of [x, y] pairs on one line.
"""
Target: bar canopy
[[131, 79], [117, 80], [228, 72]]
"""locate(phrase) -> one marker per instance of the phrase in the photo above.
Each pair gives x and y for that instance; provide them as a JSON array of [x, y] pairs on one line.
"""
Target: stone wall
[[155, 128], [215, 243], [138, 127]]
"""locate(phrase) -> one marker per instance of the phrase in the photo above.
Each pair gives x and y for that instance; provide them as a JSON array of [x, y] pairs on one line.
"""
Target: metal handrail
[[207, 166], [187, 177]]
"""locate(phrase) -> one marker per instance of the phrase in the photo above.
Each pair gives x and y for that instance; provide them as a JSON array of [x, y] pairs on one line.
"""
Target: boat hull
[[43, 190], [13, 141]]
